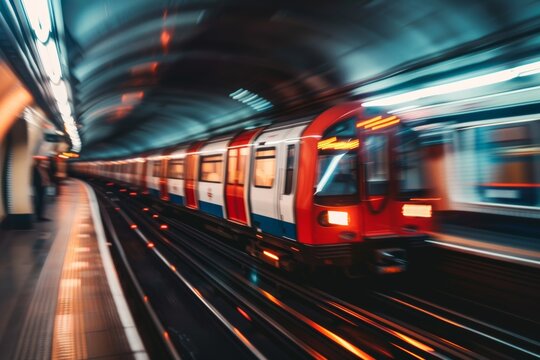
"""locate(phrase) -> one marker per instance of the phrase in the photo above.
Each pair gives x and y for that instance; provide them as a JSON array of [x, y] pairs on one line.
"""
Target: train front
[[369, 203]]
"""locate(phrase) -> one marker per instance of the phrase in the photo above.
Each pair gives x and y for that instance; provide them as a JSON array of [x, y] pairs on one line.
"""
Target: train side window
[[156, 170], [289, 170], [265, 167], [176, 169], [211, 168], [377, 174]]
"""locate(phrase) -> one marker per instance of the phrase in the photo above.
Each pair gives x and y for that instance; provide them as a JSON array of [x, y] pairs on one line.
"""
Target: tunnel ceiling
[[148, 73]]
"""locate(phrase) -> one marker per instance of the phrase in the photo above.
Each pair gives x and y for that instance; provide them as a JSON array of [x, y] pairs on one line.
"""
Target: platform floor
[[55, 298], [503, 247]]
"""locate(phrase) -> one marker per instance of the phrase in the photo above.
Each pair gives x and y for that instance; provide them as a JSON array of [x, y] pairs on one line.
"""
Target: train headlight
[[413, 210], [332, 217]]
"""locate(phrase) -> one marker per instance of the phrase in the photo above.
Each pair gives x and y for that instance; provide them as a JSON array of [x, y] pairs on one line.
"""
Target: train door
[[163, 187], [264, 190], [376, 209], [238, 169], [175, 176], [192, 169], [288, 162], [273, 207], [234, 187], [142, 174]]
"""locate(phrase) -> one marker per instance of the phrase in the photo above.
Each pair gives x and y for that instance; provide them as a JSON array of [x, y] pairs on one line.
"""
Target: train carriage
[[342, 189]]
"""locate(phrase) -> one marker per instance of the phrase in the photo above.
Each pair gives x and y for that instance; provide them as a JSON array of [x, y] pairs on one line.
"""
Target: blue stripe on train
[[212, 209], [176, 199], [274, 226]]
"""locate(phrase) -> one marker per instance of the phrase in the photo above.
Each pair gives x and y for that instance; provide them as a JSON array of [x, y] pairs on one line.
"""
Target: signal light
[[133, 194], [133, 226], [164, 227], [155, 216], [145, 209], [123, 190], [150, 245]]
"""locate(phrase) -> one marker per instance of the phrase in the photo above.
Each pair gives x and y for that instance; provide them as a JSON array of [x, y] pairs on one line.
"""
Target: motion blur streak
[[460, 325], [408, 352], [329, 334], [243, 313], [411, 341]]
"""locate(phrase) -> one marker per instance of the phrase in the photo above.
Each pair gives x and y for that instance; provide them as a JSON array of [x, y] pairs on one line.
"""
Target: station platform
[[491, 244], [60, 297]]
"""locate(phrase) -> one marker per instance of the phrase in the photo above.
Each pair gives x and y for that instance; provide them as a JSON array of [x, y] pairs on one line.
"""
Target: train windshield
[[337, 177], [411, 170]]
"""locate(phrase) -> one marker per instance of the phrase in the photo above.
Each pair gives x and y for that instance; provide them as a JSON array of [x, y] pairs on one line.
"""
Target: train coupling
[[390, 261]]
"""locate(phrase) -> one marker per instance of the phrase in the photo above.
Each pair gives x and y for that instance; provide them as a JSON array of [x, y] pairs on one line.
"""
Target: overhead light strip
[[460, 85], [39, 16]]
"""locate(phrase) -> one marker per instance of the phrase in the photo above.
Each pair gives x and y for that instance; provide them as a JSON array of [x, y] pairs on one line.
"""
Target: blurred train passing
[[344, 189], [499, 166]]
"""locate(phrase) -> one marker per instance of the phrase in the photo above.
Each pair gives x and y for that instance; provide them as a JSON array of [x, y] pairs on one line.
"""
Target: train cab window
[[211, 168], [265, 167], [156, 170], [337, 178], [289, 170], [377, 170], [176, 169]]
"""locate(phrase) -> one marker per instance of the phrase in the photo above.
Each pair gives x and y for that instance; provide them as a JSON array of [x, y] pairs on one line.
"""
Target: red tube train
[[344, 189]]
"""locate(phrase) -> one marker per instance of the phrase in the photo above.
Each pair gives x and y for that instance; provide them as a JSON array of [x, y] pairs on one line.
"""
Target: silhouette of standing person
[[40, 182]]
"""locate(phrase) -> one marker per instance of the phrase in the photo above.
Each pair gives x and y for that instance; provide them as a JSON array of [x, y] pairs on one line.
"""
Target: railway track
[[308, 319]]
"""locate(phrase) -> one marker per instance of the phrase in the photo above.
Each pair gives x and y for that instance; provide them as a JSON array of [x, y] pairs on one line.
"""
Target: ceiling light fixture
[[39, 17], [251, 99], [49, 59]]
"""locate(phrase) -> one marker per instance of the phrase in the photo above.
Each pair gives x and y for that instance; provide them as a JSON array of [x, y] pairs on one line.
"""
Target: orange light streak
[[329, 334], [333, 144], [371, 322], [369, 121], [386, 124], [271, 255], [413, 342], [382, 121]]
